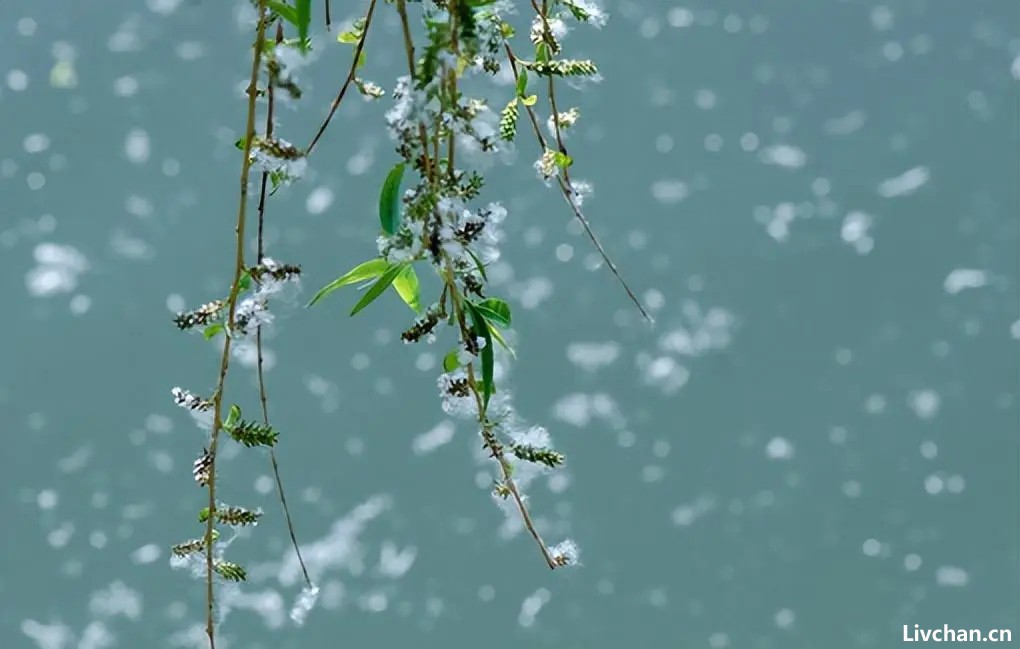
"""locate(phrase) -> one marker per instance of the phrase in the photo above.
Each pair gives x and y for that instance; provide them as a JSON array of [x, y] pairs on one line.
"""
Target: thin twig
[[270, 93], [235, 287], [347, 82], [563, 180], [329, 21]]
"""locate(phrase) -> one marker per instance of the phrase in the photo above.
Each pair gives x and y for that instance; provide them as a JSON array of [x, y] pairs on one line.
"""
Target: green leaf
[[375, 290], [212, 330], [366, 270], [348, 37], [498, 337], [233, 417], [541, 52], [283, 10], [408, 288], [239, 145], [451, 361], [244, 283], [562, 160], [203, 515], [522, 82], [389, 199], [481, 328], [529, 100], [478, 264], [303, 11], [495, 310]]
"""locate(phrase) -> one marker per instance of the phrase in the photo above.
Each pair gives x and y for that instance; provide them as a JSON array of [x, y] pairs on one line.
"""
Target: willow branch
[[489, 439], [270, 93], [566, 189], [347, 82], [235, 287]]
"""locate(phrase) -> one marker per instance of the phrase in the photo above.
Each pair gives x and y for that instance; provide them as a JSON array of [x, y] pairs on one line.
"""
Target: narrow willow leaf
[[408, 288], [366, 270], [303, 13], [245, 282], [451, 361], [478, 264], [499, 310], [529, 100], [375, 290], [349, 38], [482, 329], [541, 53], [283, 10], [522, 82], [233, 417], [498, 337], [212, 330], [562, 160], [389, 200]]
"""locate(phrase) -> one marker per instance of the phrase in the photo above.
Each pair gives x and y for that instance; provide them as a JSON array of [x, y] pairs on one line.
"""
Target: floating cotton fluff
[[59, 267], [304, 604], [961, 279]]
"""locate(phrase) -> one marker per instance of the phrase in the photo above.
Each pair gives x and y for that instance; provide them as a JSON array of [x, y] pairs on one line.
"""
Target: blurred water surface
[[814, 446]]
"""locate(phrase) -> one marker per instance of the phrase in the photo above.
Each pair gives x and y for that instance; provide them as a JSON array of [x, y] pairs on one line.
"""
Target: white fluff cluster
[[536, 436], [253, 311], [406, 244], [567, 552], [453, 404], [588, 11], [304, 604], [188, 401], [199, 409], [407, 109], [285, 171], [556, 26]]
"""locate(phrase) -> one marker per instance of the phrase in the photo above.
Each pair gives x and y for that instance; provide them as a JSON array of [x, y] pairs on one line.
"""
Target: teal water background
[[816, 444]]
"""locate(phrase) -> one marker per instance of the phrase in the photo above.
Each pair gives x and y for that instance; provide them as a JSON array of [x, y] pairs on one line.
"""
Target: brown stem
[[347, 82], [260, 36]]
